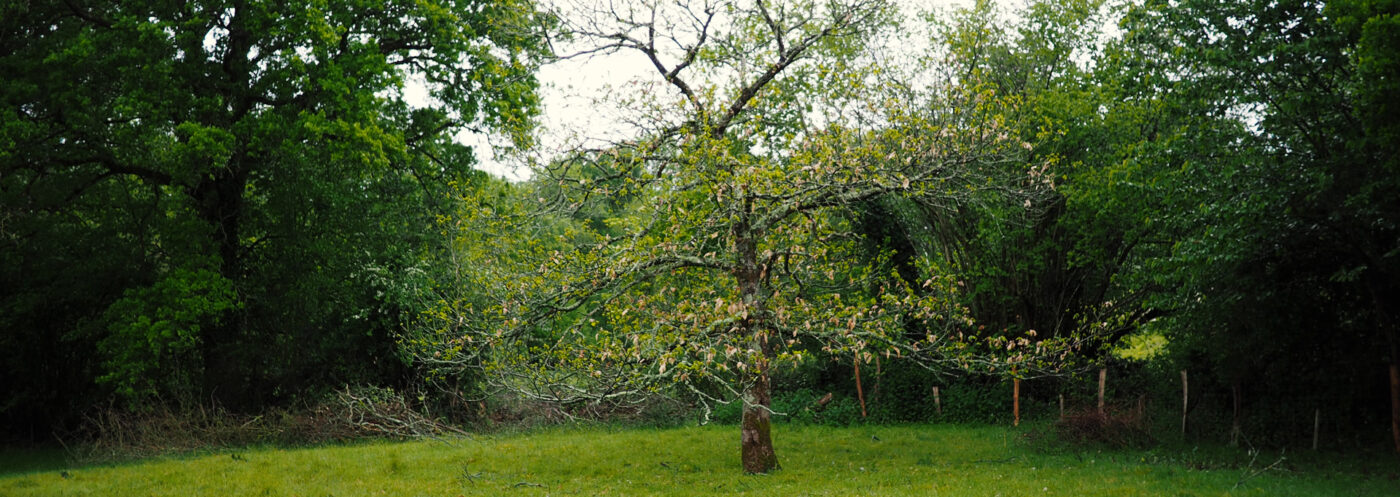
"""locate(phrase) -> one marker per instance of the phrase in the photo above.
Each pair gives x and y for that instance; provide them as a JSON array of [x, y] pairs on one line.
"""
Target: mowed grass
[[936, 460]]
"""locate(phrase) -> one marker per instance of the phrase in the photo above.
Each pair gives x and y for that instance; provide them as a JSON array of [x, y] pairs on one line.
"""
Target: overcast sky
[[575, 96]]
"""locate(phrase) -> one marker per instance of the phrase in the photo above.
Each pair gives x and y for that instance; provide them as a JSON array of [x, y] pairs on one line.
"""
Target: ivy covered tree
[[218, 182]]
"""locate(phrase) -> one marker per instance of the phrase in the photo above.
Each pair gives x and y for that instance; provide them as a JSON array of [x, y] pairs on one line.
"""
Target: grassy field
[[940, 460]]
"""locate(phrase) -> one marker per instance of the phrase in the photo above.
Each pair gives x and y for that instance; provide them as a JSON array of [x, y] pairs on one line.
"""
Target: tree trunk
[[220, 201], [1394, 376], [1391, 329], [756, 439], [1395, 404]]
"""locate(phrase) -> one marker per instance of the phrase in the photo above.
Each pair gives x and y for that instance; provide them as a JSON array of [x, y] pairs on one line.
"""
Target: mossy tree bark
[[756, 441]]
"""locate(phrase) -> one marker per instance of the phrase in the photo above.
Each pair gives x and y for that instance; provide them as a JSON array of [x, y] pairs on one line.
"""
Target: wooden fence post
[[875, 390], [1103, 380], [1185, 396], [1235, 429], [937, 402], [1015, 400], [860, 394], [1317, 424]]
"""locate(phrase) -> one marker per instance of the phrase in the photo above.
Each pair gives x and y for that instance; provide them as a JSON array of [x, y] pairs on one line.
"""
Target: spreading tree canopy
[[717, 243], [201, 197]]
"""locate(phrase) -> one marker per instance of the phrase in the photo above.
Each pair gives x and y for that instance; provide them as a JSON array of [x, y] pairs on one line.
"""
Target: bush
[[971, 401]]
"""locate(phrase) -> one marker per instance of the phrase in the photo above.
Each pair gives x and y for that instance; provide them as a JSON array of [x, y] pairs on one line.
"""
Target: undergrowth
[[353, 413], [1111, 427]]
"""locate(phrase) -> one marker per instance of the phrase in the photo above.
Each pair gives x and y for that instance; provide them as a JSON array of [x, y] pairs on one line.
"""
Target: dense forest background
[[233, 204]]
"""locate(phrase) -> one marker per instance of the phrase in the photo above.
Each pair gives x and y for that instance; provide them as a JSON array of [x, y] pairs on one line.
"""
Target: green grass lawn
[[937, 460]]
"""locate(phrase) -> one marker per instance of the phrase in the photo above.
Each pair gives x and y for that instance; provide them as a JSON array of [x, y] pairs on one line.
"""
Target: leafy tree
[[728, 249], [1060, 265], [1292, 265], [263, 154]]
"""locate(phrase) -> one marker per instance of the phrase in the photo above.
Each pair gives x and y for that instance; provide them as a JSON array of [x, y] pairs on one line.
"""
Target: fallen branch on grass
[[1248, 474]]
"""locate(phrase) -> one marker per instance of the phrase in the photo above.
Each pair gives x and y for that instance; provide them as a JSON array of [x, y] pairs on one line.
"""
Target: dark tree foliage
[[1226, 173], [1057, 266], [1288, 282], [214, 200]]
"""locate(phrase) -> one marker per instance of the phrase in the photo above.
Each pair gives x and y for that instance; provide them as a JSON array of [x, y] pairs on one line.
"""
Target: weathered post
[[1235, 429], [1103, 380], [860, 394], [1015, 400], [1317, 425], [1185, 395]]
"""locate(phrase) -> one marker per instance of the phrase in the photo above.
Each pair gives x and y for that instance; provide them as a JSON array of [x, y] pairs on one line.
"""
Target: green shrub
[[155, 332], [976, 402]]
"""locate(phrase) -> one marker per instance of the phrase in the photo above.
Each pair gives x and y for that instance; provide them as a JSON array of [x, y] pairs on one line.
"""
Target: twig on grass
[[1254, 455], [995, 461]]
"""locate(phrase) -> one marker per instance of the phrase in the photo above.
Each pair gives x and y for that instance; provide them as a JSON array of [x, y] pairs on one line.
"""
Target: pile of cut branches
[[368, 412]]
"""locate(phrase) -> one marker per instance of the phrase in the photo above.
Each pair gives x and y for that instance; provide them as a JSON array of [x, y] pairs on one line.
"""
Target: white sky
[[575, 99]]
